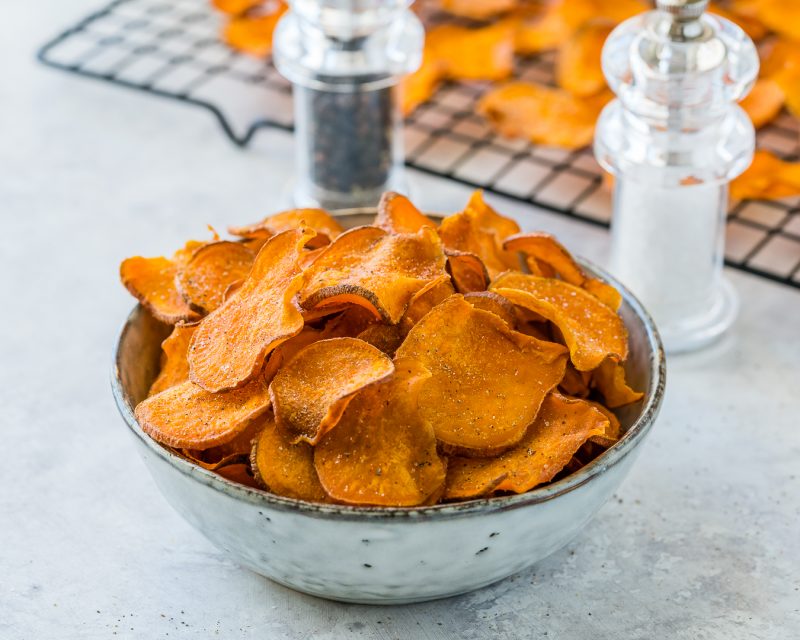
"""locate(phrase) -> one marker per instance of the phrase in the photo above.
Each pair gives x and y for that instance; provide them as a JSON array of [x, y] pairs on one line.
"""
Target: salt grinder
[[345, 59], [673, 139]]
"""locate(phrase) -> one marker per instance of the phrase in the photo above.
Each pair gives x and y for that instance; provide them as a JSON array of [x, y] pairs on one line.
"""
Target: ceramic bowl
[[388, 555]]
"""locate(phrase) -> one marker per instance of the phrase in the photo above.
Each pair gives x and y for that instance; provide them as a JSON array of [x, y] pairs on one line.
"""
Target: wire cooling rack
[[171, 48]]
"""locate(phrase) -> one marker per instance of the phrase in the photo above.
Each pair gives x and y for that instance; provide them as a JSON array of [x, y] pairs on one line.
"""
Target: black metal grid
[[171, 48]]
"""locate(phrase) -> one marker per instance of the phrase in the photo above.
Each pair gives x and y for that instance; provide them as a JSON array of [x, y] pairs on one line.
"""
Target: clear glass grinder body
[[345, 59], [674, 138]]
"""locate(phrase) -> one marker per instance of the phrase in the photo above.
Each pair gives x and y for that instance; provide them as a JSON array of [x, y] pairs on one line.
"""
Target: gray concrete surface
[[700, 543]]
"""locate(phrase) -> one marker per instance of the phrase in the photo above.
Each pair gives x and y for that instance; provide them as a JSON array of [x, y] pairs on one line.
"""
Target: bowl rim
[[612, 456]]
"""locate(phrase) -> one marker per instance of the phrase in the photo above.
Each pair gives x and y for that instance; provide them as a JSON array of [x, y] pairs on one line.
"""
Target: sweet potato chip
[[310, 392], [384, 337], [467, 271], [498, 305], [426, 299], [152, 282], [251, 33], [750, 24], [767, 177], [488, 219], [613, 429], [578, 67], [609, 380], [781, 16], [764, 102], [232, 343], [477, 9], [238, 473], [419, 86], [284, 468], [396, 214], [235, 7], [375, 269], [187, 416], [542, 30], [542, 114], [485, 53], [540, 247], [206, 276], [463, 233], [487, 381], [591, 330], [350, 322], [382, 452], [561, 427], [174, 365], [576, 383], [317, 219]]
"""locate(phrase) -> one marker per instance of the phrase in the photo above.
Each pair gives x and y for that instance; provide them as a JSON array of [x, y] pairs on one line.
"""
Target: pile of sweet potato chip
[[399, 364], [483, 38]]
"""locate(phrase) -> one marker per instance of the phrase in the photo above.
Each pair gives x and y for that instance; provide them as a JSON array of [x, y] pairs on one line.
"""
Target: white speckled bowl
[[388, 555]]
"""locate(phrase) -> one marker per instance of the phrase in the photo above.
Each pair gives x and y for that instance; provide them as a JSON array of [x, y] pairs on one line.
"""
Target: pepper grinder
[[673, 139], [345, 59]]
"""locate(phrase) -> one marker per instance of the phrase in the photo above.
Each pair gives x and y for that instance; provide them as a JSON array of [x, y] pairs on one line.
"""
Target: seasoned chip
[[382, 452], [351, 322], [464, 233], [613, 429], [767, 177], [238, 473], [561, 427], [485, 53], [186, 416], [540, 247], [206, 276], [541, 114], [498, 305], [232, 343], [487, 381], [591, 330], [375, 269], [251, 33], [576, 383], [310, 392], [552, 27], [609, 380], [426, 299], [317, 219], [578, 67], [384, 337], [396, 214], [284, 468], [764, 102], [152, 282], [467, 271], [488, 219], [174, 365], [419, 86]]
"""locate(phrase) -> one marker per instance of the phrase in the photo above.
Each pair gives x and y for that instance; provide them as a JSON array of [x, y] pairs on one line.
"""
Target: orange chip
[[552, 27], [235, 7], [187, 416], [578, 67], [382, 452], [485, 53], [284, 468], [252, 33], [384, 337], [206, 276], [609, 380], [317, 219], [542, 247], [396, 214], [592, 331], [285, 351], [575, 383], [781, 16], [613, 430], [764, 102], [767, 177], [498, 305], [561, 427], [487, 381], [488, 219], [174, 365], [477, 9], [152, 282], [467, 271], [232, 343], [375, 269], [542, 114], [238, 473], [750, 24], [310, 392], [426, 299], [351, 322], [419, 86]]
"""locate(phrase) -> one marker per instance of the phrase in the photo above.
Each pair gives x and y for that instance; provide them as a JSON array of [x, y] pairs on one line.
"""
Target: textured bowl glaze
[[388, 555]]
